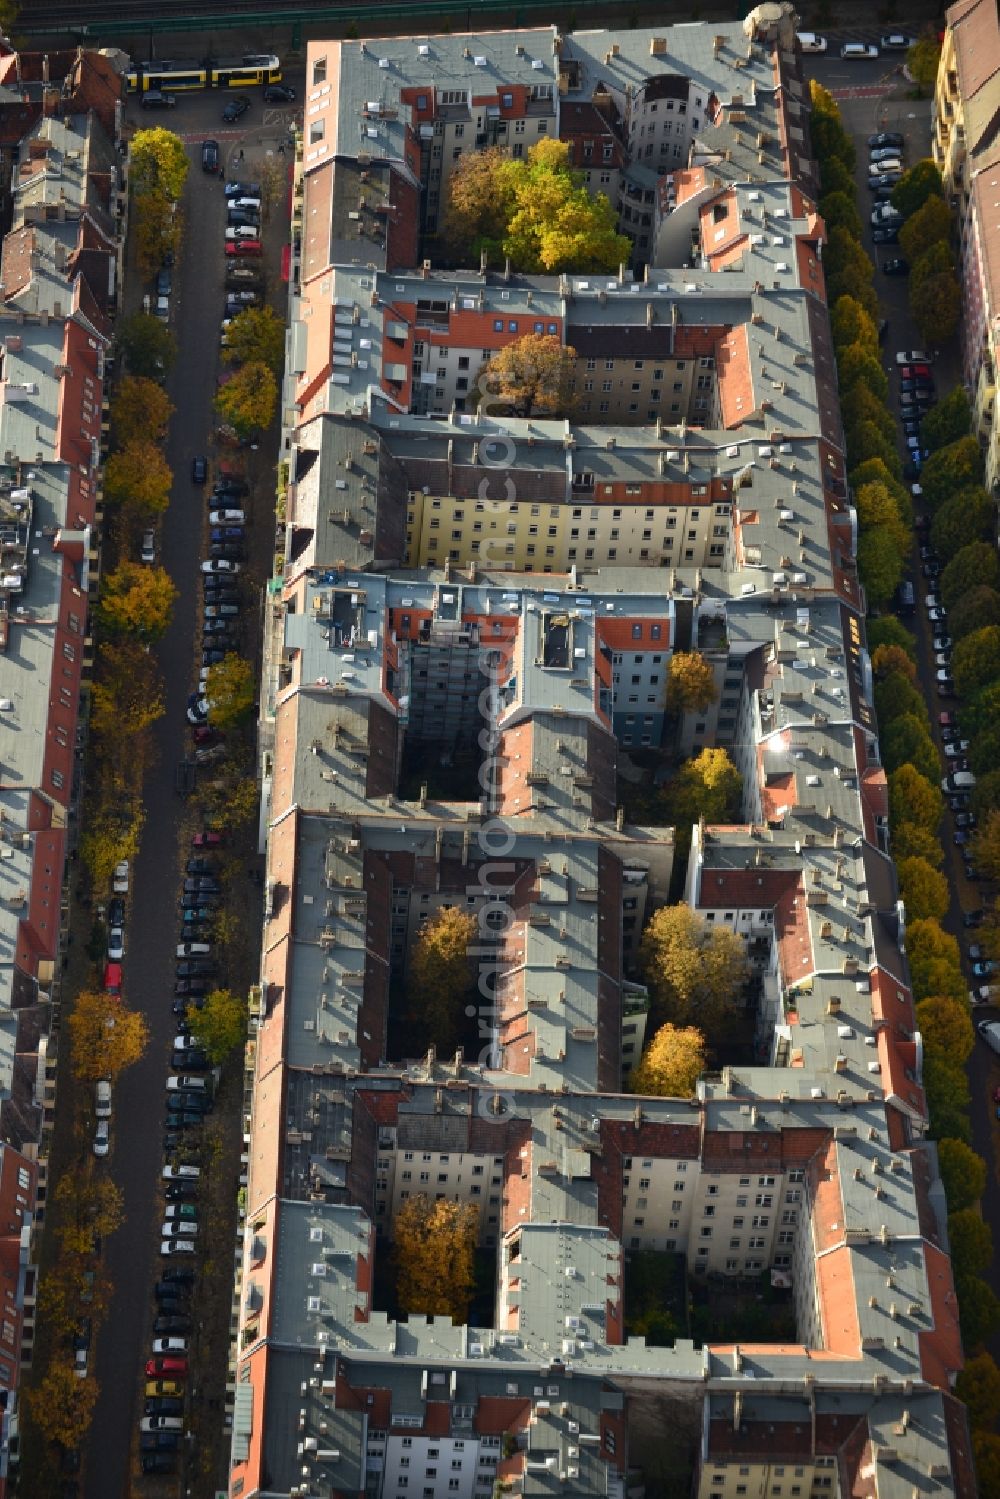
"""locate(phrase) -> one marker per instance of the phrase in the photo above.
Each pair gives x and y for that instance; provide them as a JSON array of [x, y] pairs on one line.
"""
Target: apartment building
[[807, 1165]]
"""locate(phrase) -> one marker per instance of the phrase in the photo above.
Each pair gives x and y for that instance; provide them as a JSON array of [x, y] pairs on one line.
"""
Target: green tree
[[926, 227], [935, 967], [671, 1064], [839, 212], [248, 399], [138, 478], [136, 600], [230, 691], [971, 1243], [949, 469], [979, 1310], [910, 841], [978, 1386], [889, 631], [949, 420], [936, 305], [914, 799], [963, 1173], [256, 336], [880, 567], [976, 661], [892, 661], [975, 565], [947, 1030], [695, 971], [922, 62], [850, 324], [986, 1449], [980, 606], [981, 711], [148, 345], [860, 404], [141, 409], [986, 795], [690, 683], [434, 1246], [924, 890], [877, 510], [857, 362], [986, 845], [834, 176], [947, 1090], [933, 262], [968, 516], [439, 974], [922, 181], [220, 1026], [866, 441], [896, 696], [906, 741], [984, 753], [157, 231], [849, 269], [158, 162], [534, 375]]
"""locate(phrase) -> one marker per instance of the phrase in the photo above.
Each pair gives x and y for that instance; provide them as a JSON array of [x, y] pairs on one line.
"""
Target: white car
[[809, 42], [221, 611], [984, 995], [989, 1030], [858, 51], [102, 1138], [148, 552], [169, 1247], [119, 883], [161, 1423], [187, 1082], [242, 231], [216, 565], [193, 949], [102, 1099], [879, 168], [116, 944], [932, 602], [914, 356], [182, 1229], [181, 1173], [227, 517]]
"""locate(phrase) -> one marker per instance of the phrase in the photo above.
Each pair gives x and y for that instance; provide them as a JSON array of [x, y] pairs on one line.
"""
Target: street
[[132, 1257], [871, 101]]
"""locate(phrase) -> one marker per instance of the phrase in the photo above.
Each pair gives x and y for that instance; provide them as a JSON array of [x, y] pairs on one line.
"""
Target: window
[[319, 71], [507, 101]]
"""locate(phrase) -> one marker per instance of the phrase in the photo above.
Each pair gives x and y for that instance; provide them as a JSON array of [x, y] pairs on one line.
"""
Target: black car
[[178, 1275], [159, 1462], [236, 108], [169, 1324], [243, 189], [83, 1334], [189, 1119], [199, 470], [187, 1098], [230, 550], [170, 1289], [210, 156], [164, 1405], [885, 138], [896, 266], [202, 884], [201, 864], [191, 988], [885, 236], [196, 967], [116, 911], [232, 483], [159, 1441], [192, 1059], [278, 93], [242, 218]]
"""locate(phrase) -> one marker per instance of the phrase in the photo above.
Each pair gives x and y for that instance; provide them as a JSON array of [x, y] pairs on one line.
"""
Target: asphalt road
[[863, 115], [153, 922]]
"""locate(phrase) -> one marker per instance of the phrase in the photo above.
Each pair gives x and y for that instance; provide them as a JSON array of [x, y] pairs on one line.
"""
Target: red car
[[244, 247], [204, 735], [916, 372], [113, 978], [207, 840], [155, 1367]]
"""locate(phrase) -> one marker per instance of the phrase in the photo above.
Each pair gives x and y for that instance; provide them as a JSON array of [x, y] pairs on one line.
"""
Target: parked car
[[102, 1138], [280, 93], [199, 469], [169, 1247], [896, 41], [156, 99], [161, 1423], [885, 138], [193, 949], [170, 1364], [102, 1099], [249, 248], [219, 565], [984, 969], [119, 883], [858, 51], [896, 266], [210, 156], [913, 356], [885, 236], [989, 1031], [159, 1462], [116, 944], [178, 1322], [243, 189], [883, 153], [207, 839], [180, 1173]]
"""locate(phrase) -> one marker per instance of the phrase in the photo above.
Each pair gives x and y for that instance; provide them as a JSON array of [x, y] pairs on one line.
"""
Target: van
[[810, 42], [907, 598], [959, 780]]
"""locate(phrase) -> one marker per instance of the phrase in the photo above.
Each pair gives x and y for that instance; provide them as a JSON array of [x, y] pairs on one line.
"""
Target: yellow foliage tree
[[141, 409], [533, 375], [157, 230], [671, 1064], [136, 600], [62, 1405], [247, 401], [158, 162], [535, 211], [256, 335], [434, 1246], [440, 971], [230, 691], [695, 971], [138, 477], [691, 683], [105, 1036]]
